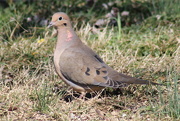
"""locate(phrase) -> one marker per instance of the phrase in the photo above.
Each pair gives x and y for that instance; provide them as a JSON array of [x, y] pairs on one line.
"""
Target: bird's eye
[[60, 18]]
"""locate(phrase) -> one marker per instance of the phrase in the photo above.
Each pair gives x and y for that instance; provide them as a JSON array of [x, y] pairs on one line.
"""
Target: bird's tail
[[131, 80]]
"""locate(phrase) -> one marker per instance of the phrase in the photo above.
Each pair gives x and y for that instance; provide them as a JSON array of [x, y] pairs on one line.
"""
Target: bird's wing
[[85, 68]]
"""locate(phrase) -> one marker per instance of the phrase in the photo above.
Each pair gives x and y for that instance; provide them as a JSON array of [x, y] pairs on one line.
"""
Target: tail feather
[[121, 78], [131, 80]]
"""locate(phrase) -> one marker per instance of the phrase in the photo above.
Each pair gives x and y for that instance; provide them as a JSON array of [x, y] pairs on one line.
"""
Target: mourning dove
[[79, 66]]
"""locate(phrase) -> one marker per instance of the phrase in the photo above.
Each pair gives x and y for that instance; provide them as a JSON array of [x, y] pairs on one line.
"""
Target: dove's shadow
[[104, 93]]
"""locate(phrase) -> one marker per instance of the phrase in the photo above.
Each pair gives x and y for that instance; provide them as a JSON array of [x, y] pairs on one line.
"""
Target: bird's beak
[[50, 24]]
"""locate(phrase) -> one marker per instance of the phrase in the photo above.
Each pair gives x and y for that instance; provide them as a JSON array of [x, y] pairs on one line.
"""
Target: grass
[[30, 89]]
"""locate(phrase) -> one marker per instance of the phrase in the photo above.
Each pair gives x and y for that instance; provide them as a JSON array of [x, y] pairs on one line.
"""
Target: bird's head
[[59, 20]]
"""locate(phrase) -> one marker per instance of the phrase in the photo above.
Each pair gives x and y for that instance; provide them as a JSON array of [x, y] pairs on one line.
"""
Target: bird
[[79, 66]]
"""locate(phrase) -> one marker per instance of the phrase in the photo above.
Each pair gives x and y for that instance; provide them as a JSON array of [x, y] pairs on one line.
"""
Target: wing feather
[[85, 70]]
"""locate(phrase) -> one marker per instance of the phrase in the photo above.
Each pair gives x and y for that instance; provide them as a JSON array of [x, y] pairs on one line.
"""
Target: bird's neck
[[66, 37]]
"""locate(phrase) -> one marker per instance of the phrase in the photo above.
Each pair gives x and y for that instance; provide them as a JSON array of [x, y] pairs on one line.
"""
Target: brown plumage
[[79, 66]]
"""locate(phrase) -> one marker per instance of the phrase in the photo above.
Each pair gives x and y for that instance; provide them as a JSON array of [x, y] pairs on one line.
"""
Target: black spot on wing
[[87, 71], [99, 59], [97, 72], [105, 72], [84, 85]]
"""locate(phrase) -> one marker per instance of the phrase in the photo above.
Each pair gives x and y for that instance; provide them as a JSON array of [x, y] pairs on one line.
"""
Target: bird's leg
[[82, 96]]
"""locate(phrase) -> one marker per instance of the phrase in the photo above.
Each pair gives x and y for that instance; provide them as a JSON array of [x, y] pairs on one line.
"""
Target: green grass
[[149, 48], [171, 105]]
